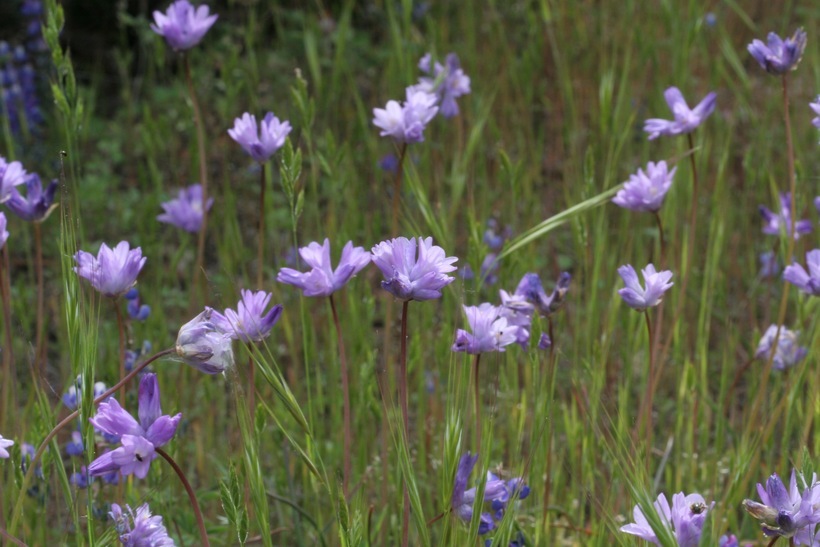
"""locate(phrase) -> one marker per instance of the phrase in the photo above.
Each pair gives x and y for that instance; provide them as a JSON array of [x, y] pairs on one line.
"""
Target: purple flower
[[518, 311], [4, 444], [685, 519], [136, 310], [728, 540], [81, 479], [4, 234], [405, 123], [769, 266], [37, 204], [545, 342], [183, 26], [490, 331], [779, 56], [140, 528], [75, 447], [808, 282], [645, 191], [114, 271], [389, 163], [777, 223], [816, 107], [11, 175], [495, 240], [530, 288], [139, 439], [686, 120], [203, 346], [250, 322], [636, 296], [262, 141], [465, 468], [448, 82], [786, 512], [411, 277], [74, 394], [787, 354], [186, 210], [322, 279]]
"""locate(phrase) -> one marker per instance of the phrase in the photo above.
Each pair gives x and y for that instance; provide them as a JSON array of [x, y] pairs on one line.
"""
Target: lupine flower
[[113, 271], [728, 540], [493, 238], [136, 310], [531, 289], [389, 163], [685, 519], [518, 312], [250, 322], [409, 276], [636, 296], [769, 266], [777, 223], [322, 279], [786, 512], [787, 354], [490, 331], [405, 123], [544, 342], [816, 107], [4, 234], [203, 346], [489, 267], [645, 191], [448, 82], [81, 479], [808, 282], [139, 439], [11, 175], [139, 528], [183, 26], [75, 447], [37, 204], [4, 444], [686, 120], [779, 56], [186, 211], [27, 453], [262, 141], [74, 394]]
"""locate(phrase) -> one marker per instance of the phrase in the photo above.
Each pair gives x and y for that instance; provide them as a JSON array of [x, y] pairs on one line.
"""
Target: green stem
[[8, 357], [38, 335], [405, 523], [477, 394], [121, 329], [260, 253], [200, 522], [346, 399]]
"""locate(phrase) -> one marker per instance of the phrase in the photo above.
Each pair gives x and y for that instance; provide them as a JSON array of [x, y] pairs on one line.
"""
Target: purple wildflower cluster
[[780, 222], [685, 519], [139, 528], [447, 82], [787, 354], [779, 56], [791, 513]]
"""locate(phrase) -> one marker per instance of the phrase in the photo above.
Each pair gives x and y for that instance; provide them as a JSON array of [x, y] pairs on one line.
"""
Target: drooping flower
[[183, 26], [186, 211], [4, 444], [645, 191], [808, 282], [788, 352], [635, 295], [261, 141], [786, 512], [139, 528], [531, 289], [686, 119], [37, 204], [816, 107], [405, 123], [781, 222], [412, 276], [250, 322], [139, 439], [11, 175], [685, 519], [448, 82], [113, 271], [779, 56], [4, 234], [490, 331], [203, 346], [322, 279]]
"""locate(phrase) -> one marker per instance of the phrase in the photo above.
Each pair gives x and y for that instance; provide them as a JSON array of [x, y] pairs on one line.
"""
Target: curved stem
[[38, 269], [405, 523], [477, 394], [66, 421], [203, 534], [346, 397], [8, 537], [121, 329], [260, 253]]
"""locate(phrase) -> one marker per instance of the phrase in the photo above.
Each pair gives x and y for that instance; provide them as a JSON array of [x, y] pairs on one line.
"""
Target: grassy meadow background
[[560, 91]]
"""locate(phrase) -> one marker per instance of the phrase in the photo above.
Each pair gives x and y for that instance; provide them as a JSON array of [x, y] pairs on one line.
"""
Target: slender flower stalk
[[200, 522], [348, 435], [39, 349], [260, 250], [477, 394], [5, 295], [402, 381], [121, 354]]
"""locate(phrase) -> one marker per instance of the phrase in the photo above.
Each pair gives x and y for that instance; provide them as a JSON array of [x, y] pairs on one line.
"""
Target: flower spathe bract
[[806, 281], [11, 174], [637, 297], [778, 56], [490, 331], [686, 119], [414, 269], [646, 190], [405, 123], [250, 322], [781, 222], [261, 141], [788, 352], [4, 444], [322, 279], [186, 210], [182, 25], [785, 512], [139, 528], [202, 345], [113, 271], [448, 82], [37, 204], [685, 518]]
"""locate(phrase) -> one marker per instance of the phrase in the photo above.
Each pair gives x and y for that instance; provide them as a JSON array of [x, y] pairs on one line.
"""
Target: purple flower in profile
[[490, 331], [808, 282], [531, 289], [781, 222], [81, 479], [518, 311], [11, 175], [636, 296], [4, 444], [495, 238], [686, 119], [412, 276], [448, 82], [787, 354], [645, 191], [183, 26], [463, 472], [4, 234], [250, 322], [186, 211], [769, 266], [784, 512], [139, 439], [685, 519], [202, 345], [135, 308], [779, 56], [322, 279], [37, 204], [261, 141], [405, 123], [113, 271], [545, 342], [139, 528]]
